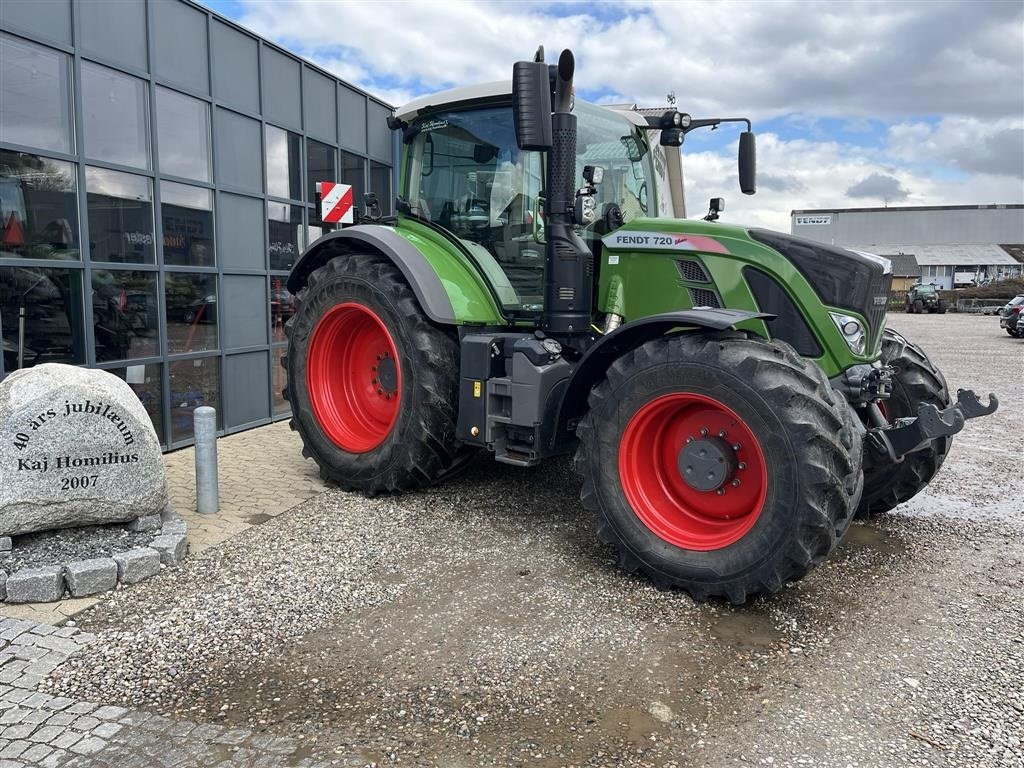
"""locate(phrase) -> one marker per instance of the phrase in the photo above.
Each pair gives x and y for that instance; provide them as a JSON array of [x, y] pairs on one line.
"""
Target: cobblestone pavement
[[37, 729], [262, 473]]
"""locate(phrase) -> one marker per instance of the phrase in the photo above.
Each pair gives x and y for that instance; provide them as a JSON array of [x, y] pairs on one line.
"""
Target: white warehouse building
[[953, 245]]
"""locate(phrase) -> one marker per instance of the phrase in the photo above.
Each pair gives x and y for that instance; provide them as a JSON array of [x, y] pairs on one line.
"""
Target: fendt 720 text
[[732, 396]]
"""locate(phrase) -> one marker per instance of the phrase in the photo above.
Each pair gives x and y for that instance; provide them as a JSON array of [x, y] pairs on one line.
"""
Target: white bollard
[[204, 420]]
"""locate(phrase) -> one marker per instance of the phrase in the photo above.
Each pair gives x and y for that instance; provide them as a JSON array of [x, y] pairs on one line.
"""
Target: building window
[[41, 316], [146, 382], [186, 214], [319, 166], [120, 209], [126, 320], [183, 135], [115, 116], [193, 383], [38, 207], [280, 378], [353, 171], [35, 96], [191, 301], [285, 228], [282, 307], [284, 159], [380, 184]]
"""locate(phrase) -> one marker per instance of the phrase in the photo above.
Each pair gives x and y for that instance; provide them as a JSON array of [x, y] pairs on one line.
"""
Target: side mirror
[[531, 105], [748, 163]]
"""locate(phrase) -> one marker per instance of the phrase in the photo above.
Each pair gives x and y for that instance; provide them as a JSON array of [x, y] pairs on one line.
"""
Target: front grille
[[875, 312], [692, 272], [700, 297]]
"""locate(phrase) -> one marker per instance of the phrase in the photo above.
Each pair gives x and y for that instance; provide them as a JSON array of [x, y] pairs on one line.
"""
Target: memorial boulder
[[76, 448]]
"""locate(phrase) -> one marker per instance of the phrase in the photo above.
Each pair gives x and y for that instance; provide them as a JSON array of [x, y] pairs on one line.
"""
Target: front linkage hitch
[[890, 444]]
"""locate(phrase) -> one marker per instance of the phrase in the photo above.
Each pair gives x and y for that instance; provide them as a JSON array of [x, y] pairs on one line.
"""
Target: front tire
[[373, 384], [916, 380], [785, 497]]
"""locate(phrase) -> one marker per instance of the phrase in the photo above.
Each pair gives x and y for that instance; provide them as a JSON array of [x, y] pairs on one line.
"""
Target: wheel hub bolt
[[720, 492], [735, 446], [742, 465], [721, 433], [735, 483], [703, 431]]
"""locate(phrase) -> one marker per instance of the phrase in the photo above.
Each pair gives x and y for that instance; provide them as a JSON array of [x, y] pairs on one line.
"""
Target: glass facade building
[[158, 166]]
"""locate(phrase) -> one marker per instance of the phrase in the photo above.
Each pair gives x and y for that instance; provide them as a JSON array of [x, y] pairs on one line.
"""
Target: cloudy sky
[[854, 103]]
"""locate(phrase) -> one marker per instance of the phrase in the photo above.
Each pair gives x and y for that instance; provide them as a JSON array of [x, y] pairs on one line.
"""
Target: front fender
[[595, 362]]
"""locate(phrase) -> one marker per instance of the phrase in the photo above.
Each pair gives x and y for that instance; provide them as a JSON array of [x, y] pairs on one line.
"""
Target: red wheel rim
[[354, 377], [651, 472]]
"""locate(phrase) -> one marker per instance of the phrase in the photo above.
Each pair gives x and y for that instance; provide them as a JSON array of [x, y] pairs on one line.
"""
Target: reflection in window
[[38, 207], [284, 226], [283, 164], [380, 184], [183, 135], [187, 216], [115, 116], [191, 301], [124, 314], [120, 217], [282, 307], [145, 381], [319, 166], [280, 378], [193, 383], [47, 303], [316, 228], [352, 172], [35, 96]]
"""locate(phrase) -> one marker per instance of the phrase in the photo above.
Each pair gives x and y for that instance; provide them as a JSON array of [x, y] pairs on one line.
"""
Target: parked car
[[1009, 316], [925, 298]]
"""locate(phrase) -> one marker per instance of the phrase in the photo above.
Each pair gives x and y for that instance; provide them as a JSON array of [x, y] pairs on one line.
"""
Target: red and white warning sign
[[336, 202]]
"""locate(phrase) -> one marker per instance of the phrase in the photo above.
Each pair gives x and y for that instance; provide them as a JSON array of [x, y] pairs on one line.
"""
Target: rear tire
[[795, 433], [915, 381], [357, 312]]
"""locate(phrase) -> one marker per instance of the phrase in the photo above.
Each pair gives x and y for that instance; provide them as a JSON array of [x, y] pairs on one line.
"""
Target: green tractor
[[923, 298], [732, 396]]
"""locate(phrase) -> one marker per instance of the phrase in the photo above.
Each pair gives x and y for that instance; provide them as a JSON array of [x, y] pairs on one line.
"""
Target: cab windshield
[[926, 289], [465, 172]]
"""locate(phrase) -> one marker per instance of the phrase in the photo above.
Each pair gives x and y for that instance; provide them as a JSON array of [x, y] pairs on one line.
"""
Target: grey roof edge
[[292, 54], [894, 208]]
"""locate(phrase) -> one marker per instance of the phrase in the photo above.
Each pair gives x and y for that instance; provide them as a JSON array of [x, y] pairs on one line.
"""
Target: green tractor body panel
[[471, 293], [650, 266]]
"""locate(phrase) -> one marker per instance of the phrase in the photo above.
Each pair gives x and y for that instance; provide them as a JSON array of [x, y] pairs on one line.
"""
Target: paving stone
[[13, 715], [36, 585], [110, 713], [58, 703], [145, 523], [85, 723], [14, 749], [46, 734], [107, 730], [176, 527], [3, 585], [137, 564], [90, 745], [61, 718], [88, 577], [82, 708], [42, 630], [6, 543], [172, 548], [37, 753], [66, 740], [54, 759], [19, 731]]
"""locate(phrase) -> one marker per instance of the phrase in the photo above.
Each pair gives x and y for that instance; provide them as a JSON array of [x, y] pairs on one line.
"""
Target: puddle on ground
[[259, 518], [744, 630], [868, 537]]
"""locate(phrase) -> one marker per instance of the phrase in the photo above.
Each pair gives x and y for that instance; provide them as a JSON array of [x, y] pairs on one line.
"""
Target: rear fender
[[595, 362]]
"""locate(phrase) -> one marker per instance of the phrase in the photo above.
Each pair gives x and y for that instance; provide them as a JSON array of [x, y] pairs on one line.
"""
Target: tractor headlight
[[852, 330]]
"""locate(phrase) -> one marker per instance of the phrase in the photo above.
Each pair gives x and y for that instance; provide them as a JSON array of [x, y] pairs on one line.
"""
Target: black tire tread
[[825, 435], [434, 351], [921, 382]]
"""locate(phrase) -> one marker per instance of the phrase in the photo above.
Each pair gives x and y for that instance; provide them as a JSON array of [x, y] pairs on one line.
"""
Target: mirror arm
[[716, 121]]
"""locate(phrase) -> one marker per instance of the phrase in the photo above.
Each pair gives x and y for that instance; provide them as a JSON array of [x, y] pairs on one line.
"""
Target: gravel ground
[[479, 623], [62, 546]]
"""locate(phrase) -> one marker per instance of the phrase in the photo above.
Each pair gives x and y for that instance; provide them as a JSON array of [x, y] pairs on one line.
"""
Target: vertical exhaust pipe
[[569, 279]]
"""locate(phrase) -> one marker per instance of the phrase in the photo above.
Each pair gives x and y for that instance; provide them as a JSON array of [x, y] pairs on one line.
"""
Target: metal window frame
[[86, 265]]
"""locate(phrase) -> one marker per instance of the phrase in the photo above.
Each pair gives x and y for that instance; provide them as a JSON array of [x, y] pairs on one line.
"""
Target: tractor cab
[[464, 171]]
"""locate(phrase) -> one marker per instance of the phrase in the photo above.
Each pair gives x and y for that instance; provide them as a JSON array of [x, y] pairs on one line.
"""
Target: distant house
[[953, 245], [905, 270]]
